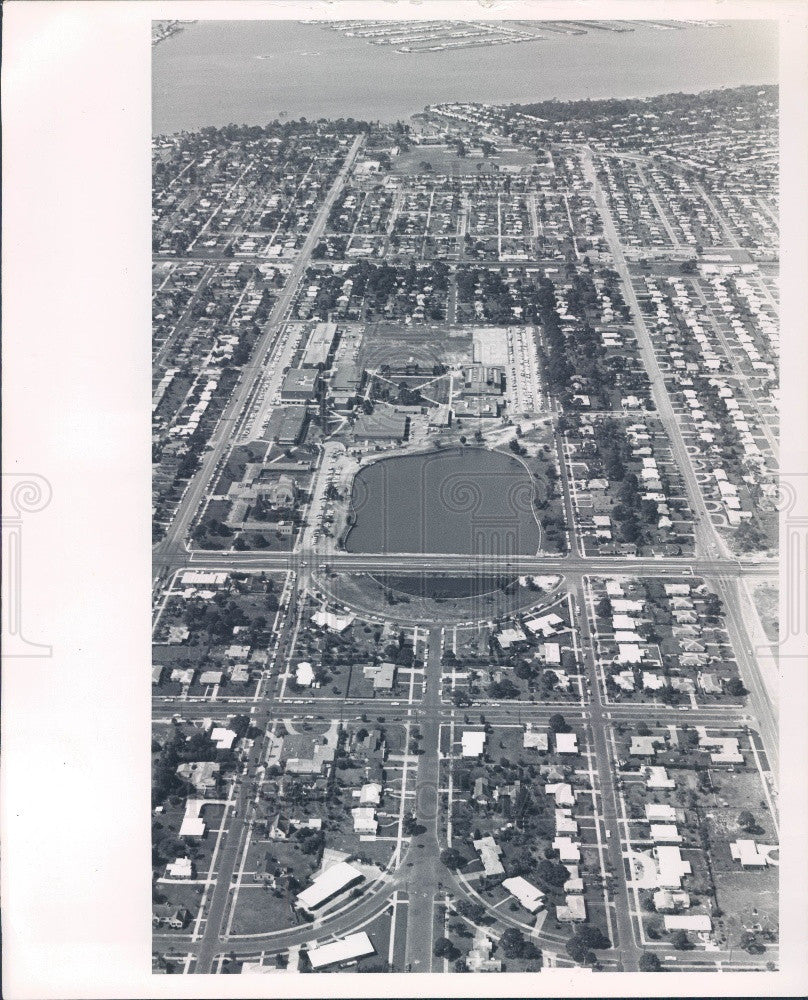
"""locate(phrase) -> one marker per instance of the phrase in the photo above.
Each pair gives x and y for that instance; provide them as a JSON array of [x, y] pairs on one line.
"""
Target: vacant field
[[748, 899], [767, 602], [395, 344], [260, 910], [444, 160]]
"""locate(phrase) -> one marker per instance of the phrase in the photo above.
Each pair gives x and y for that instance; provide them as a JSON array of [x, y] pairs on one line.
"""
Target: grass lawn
[[748, 898], [258, 910]]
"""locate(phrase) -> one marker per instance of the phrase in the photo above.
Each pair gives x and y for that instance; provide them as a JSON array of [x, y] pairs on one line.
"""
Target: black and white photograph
[[474, 598]]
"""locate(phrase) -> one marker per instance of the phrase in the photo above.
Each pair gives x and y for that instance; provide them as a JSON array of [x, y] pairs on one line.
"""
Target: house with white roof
[[573, 910], [628, 653], [665, 833], [472, 742], [348, 949], [658, 779], [568, 850], [671, 867], [751, 854], [490, 853], [563, 793], [644, 746], [525, 892], [534, 740], [700, 923], [658, 812]]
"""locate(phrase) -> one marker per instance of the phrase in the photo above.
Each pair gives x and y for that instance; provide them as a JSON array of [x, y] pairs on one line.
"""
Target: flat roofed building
[[304, 674], [328, 884], [349, 949], [192, 826], [473, 743], [658, 778], [384, 678], [566, 742], [384, 424], [644, 746], [223, 737], [665, 833], [698, 922], [656, 812], [319, 345], [300, 385], [286, 425]]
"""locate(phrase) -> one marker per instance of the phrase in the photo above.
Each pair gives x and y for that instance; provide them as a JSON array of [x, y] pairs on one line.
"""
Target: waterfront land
[[465, 444]]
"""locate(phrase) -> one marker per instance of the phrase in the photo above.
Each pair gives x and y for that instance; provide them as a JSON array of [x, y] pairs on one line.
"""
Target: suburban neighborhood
[[465, 505]]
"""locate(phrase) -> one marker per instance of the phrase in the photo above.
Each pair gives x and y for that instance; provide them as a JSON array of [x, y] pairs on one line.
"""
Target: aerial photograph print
[[465, 495]]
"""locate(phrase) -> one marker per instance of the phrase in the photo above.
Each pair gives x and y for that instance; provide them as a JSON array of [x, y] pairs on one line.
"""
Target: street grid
[[413, 891]]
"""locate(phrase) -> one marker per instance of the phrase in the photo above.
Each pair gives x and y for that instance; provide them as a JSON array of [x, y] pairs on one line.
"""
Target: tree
[[736, 688], [444, 948], [452, 858], [580, 947], [558, 724], [649, 962], [747, 822], [604, 608], [713, 605], [552, 874], [512, 942], [472, 910], [680, 941]]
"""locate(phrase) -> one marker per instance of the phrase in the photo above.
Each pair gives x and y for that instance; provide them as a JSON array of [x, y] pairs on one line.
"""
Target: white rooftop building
[[473, 743], [349, 949], [528, 895]]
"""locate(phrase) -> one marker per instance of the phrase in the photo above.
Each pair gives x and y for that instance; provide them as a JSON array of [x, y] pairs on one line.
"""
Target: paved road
[[423, 879], [451, 562], [762, 702], [629, 952]]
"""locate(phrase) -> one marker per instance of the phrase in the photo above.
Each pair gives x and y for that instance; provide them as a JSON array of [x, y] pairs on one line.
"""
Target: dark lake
[[468, 501]]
